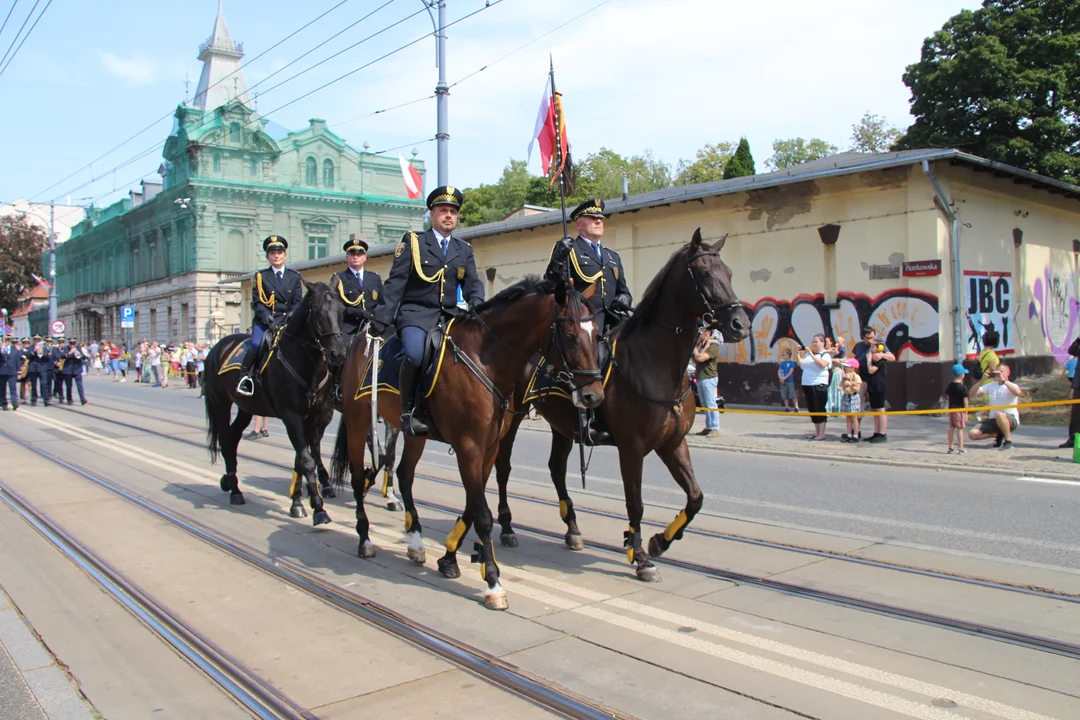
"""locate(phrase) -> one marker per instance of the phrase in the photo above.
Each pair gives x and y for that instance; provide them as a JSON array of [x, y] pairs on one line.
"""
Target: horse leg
[[560, 452], [229, 442], [474, 472], [360, 484], [304, 467], [414, 448], [677, 460], [393, 502], [325, 486], [630, 463], [502, 476]]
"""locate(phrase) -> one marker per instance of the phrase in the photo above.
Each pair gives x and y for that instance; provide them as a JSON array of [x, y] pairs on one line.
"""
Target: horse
[[648, 404], [470, 407], [294, 387]]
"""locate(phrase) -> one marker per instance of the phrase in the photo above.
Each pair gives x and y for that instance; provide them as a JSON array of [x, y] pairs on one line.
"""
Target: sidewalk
[[33, 686]]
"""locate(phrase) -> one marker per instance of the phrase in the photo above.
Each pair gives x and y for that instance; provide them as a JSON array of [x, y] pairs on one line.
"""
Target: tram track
[[1045, 593], [237, 680]]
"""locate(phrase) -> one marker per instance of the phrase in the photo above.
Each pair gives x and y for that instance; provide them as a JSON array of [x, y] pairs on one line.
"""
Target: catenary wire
[[167, 115], [11, 10], [25, 37], [418, 142], [21, 28]]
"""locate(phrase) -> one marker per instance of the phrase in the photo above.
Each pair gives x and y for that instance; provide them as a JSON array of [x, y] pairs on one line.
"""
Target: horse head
[[710, 289], [325, 313], [574, 337]]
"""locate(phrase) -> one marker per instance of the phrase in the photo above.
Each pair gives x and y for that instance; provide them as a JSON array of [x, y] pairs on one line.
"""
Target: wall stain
[[780, 204], [896, 259], [885, 179], [762, 275], [789, 270]]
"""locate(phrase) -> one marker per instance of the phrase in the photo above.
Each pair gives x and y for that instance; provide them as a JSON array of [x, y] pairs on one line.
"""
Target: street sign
[[58, 327], [127, 316]]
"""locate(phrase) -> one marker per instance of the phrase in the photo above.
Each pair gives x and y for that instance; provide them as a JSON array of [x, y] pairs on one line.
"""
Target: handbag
[[1074, 349]]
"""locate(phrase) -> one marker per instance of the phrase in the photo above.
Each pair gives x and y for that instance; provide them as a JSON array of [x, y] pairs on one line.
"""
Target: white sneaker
[[123, 379]]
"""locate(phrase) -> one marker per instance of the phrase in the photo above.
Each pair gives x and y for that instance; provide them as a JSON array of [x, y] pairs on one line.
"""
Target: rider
[[276, 293], [360, 290], [421, 290], [592, 262]]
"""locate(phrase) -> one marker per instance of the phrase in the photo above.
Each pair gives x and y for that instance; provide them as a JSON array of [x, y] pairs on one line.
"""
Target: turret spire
[[221, 80]]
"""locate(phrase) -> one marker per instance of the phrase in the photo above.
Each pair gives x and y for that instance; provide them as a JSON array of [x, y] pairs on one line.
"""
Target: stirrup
[[411, 426], [246, 386]]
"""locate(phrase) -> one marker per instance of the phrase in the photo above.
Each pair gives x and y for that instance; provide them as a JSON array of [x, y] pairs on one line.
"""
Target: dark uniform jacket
[[360, 303], [423, 284], [272, 298], [586, 268], [11, 360], [39, 359], [52, 356], [73, 360]]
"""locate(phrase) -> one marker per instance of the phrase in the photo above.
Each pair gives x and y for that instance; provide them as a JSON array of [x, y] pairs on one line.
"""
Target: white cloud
[[136, 70]]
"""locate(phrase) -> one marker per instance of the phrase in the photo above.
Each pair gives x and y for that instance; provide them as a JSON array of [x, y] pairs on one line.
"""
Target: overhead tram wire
[[27, 35], [21, 28], [399, 147], [489, 4], [480, 70], [9, 12], [210, 118], [167, 115]]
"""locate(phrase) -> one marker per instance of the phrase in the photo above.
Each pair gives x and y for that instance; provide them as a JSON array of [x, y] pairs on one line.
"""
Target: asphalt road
[[964, 512]]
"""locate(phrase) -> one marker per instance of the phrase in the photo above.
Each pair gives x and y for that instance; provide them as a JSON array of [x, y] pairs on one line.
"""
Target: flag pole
[[558, 145]]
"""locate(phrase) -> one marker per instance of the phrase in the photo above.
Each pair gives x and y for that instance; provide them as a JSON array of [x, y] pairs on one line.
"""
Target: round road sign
[[59, 327]]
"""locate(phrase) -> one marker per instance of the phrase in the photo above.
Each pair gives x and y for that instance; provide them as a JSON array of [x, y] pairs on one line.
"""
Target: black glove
[[621, 305], [475, 303], [376, 328]]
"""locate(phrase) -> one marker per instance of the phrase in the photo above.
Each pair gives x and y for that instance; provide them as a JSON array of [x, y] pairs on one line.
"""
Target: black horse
[[294, 386]]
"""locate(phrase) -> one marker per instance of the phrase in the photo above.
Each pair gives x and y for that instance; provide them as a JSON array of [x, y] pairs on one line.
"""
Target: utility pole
[[442, 91], [52, 263]]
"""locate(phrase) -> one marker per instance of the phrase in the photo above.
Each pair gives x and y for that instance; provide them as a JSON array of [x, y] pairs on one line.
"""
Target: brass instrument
[[25, 368]]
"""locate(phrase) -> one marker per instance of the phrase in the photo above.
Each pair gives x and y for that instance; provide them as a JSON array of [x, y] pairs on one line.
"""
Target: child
[[786, 373], [850, 401], [957, 393]]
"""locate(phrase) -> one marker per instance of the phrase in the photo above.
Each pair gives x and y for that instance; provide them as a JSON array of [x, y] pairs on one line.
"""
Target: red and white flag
[[41, 281], [414, 184], [544, 130]]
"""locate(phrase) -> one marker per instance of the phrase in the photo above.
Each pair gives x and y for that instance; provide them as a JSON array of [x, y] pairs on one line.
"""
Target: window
[[237, 253], [253, 167], [217, 163], [317, 246], [234, 133], [328, 173], [311, 172]]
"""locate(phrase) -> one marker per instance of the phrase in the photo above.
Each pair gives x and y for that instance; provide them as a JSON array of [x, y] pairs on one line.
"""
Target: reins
[[318, 345]]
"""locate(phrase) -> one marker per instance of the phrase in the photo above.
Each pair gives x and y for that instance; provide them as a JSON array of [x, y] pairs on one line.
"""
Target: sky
[[662, 75]]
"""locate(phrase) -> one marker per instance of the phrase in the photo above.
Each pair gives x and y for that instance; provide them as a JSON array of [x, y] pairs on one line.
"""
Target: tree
[[1002, 82], [601, 174], [796, 151], [707, 166], [21, 248], [873, 134], [741, 163]]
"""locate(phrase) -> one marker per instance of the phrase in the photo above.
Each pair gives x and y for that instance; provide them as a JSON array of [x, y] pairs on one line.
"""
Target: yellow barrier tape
[[933, 411]]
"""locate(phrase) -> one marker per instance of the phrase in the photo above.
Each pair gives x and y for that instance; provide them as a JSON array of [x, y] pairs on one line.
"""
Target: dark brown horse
[[294, 387], [648, 404], [471, 407]]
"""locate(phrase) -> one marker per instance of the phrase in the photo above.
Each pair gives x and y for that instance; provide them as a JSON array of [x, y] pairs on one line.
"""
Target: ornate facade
[[227, 181]]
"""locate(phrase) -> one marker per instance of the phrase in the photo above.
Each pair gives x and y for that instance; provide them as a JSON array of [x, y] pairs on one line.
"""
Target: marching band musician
[[276, 293], [36, 369], [11, 360], [53, 361], [422, 288], [73, 359], [360, 290], [24, 370]]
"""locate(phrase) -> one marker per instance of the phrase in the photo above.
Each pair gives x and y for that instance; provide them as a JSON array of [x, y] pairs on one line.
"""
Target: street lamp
[[3, 322]]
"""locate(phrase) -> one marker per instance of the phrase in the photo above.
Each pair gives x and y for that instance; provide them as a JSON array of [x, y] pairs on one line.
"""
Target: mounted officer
[[422, 290], [275, 294], [361, 291], [11, 361]]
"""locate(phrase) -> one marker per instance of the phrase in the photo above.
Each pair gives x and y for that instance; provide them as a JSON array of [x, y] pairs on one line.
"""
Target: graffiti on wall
[[907, 320], [1056, 308], [988, 306]]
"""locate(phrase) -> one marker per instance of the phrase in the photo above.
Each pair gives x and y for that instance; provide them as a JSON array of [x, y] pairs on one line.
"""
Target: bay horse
[[648, 404], [471, 406], [294, 387]]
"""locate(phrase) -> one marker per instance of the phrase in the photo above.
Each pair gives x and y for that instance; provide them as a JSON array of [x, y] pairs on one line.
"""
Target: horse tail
[[340, 469], [213, 432]]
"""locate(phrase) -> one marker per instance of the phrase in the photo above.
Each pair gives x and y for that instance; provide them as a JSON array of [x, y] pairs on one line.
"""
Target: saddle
[[235, 359], [544, 384]]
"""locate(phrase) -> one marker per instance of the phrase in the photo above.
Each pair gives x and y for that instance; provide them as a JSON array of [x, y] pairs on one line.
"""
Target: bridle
[[711, 312], [319, 344]]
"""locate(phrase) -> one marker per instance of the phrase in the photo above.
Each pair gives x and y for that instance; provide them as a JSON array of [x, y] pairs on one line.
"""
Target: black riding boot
[[407, 388], [593, 435], [246, 385], [335, 389]]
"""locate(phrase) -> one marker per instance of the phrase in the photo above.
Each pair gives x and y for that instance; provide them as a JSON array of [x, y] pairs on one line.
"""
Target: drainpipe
[[954, 262]]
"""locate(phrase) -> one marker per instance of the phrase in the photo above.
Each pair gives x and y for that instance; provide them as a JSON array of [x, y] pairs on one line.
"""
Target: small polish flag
[[41, 281], [414, 184], [544, 130]]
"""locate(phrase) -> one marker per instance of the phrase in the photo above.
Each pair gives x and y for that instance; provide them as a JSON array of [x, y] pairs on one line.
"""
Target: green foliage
[[741, 163], [21, 248], [1003, 82], [873, 134], [707, 166], [601, 174], [795, 151]]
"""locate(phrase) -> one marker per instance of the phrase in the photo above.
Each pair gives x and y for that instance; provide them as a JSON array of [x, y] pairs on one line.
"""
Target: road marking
[[1050, 481]]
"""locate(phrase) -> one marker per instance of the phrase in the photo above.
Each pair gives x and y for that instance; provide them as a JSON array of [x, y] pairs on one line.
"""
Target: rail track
[[237, 680]]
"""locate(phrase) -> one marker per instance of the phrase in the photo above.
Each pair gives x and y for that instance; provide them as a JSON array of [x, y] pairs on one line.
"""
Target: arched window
[[253, 167], [234, 133], [217, 163], [328, 173], [311, 172]]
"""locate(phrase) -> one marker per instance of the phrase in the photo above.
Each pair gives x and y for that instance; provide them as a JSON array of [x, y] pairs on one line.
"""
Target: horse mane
[[299, 317], [645, 310], [526, 286]]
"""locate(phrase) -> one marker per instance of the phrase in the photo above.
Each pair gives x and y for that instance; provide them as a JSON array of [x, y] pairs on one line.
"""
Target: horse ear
[[719, 244], [335, 281], [696, 240], [309, 286], [560, 292]]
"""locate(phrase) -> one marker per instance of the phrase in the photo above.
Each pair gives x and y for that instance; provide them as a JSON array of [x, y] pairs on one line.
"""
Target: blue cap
[[959, 369]]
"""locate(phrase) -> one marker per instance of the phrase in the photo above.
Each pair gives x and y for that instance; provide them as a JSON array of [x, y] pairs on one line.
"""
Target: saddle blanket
[[389, 369], [543, 383], [235, 359]]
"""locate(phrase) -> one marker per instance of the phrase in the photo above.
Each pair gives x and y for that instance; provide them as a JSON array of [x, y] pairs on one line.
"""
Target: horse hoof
[[328, 492], [367, 550], [419, 556], [648, 573], [656, 547], [449, 569], [226, 483], [393, 506], [297, 511], [508, 539], [574, 542], [496, 601], [320, 518], [237, 498]]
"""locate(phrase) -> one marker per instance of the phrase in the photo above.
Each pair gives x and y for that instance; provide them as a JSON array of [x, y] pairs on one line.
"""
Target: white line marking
[[1050, 481]]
